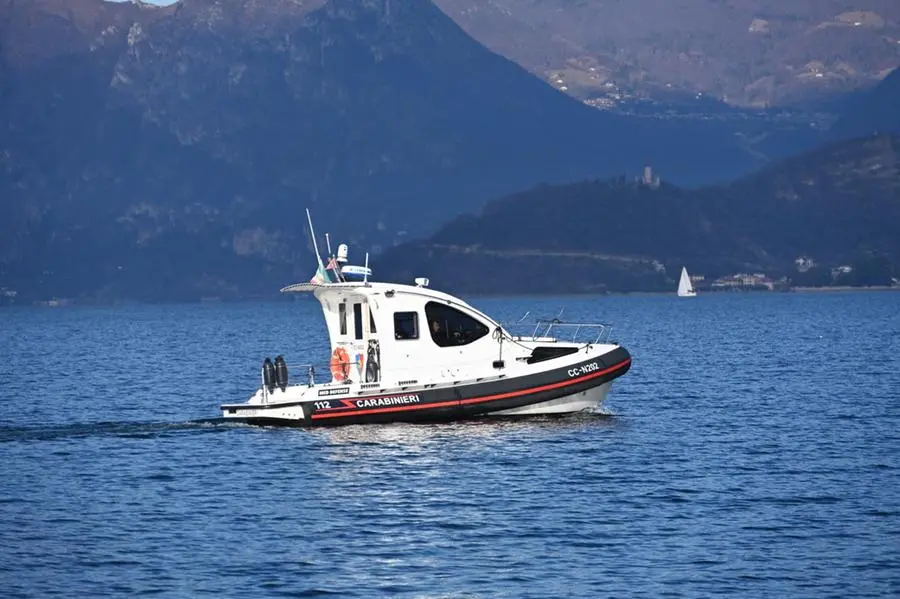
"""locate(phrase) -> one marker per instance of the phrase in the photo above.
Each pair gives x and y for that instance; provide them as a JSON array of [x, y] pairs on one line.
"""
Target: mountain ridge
[[836, 205], [752, 53], [871, 111], [169, 152], [147, 135]]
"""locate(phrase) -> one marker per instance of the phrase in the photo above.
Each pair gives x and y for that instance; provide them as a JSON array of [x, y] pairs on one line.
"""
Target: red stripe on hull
[[476, 400]]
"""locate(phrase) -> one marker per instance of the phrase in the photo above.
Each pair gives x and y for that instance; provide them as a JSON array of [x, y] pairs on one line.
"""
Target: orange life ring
[[340, 364]]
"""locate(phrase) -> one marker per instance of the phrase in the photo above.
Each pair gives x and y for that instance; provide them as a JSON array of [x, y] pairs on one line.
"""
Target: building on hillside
[[841, 270], [804, 263], [744, 282], [648, 178]]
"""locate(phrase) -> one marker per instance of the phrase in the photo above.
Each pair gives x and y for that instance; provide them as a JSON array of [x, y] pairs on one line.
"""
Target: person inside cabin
[[439, 334]]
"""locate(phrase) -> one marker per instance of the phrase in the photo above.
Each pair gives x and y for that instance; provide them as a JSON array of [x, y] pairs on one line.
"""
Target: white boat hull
[[563, 388], [587, 400], [583, 401]]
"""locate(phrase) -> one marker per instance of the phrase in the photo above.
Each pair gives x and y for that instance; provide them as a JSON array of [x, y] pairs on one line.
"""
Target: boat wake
[[10, 434], [150, 430]]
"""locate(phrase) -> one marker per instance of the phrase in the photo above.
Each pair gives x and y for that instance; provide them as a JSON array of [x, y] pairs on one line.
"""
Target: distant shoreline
[[845, 288], [67, 302]]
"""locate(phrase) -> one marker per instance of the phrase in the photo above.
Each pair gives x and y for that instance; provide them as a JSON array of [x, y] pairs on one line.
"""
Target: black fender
[[269, 374], [281, 373]]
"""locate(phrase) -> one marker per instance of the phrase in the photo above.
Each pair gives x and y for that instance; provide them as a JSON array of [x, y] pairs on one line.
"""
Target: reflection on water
[[480, 429]]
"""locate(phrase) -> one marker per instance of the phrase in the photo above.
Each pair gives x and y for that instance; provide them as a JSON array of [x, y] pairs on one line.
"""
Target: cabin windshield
[[450, 327]]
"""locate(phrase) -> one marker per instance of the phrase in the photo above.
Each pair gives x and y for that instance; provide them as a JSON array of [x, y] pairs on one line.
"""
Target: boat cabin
[[397, 334]]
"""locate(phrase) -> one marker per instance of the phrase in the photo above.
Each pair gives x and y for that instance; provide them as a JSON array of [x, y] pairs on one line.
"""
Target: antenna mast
[[312, 234]]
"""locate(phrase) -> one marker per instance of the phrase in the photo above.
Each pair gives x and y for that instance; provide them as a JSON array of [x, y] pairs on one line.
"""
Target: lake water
[[753, 450]]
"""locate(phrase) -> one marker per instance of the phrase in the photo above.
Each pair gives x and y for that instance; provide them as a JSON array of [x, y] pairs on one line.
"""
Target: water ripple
[[751, 451]]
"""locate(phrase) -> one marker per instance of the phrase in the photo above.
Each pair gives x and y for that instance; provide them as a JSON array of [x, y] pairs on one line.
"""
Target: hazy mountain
[[749, 52], [152, 152], [169, 151], [838, 205], [871, 111]]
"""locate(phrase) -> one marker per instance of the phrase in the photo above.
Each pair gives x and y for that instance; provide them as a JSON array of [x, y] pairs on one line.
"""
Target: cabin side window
[[357, 321], [406, 325], [342, 317], [450, 327], [372, 328]]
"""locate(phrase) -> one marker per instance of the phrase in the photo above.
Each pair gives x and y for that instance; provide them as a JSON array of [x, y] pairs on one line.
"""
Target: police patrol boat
[[409, 353]]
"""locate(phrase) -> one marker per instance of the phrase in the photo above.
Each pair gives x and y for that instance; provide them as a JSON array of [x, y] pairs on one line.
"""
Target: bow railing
[[552, 330]]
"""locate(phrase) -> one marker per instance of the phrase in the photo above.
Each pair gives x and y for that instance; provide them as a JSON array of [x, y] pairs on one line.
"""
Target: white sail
[[685, 289]]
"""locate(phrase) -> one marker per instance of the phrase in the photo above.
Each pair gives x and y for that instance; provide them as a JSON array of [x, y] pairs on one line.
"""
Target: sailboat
[[685, 288]]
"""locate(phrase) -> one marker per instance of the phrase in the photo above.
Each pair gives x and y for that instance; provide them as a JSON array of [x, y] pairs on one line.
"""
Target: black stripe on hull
[[461, 401]]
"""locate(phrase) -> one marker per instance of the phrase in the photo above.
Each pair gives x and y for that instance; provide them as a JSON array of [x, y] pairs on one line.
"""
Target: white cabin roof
[[411, 292], [368, 289], [311, 287]]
